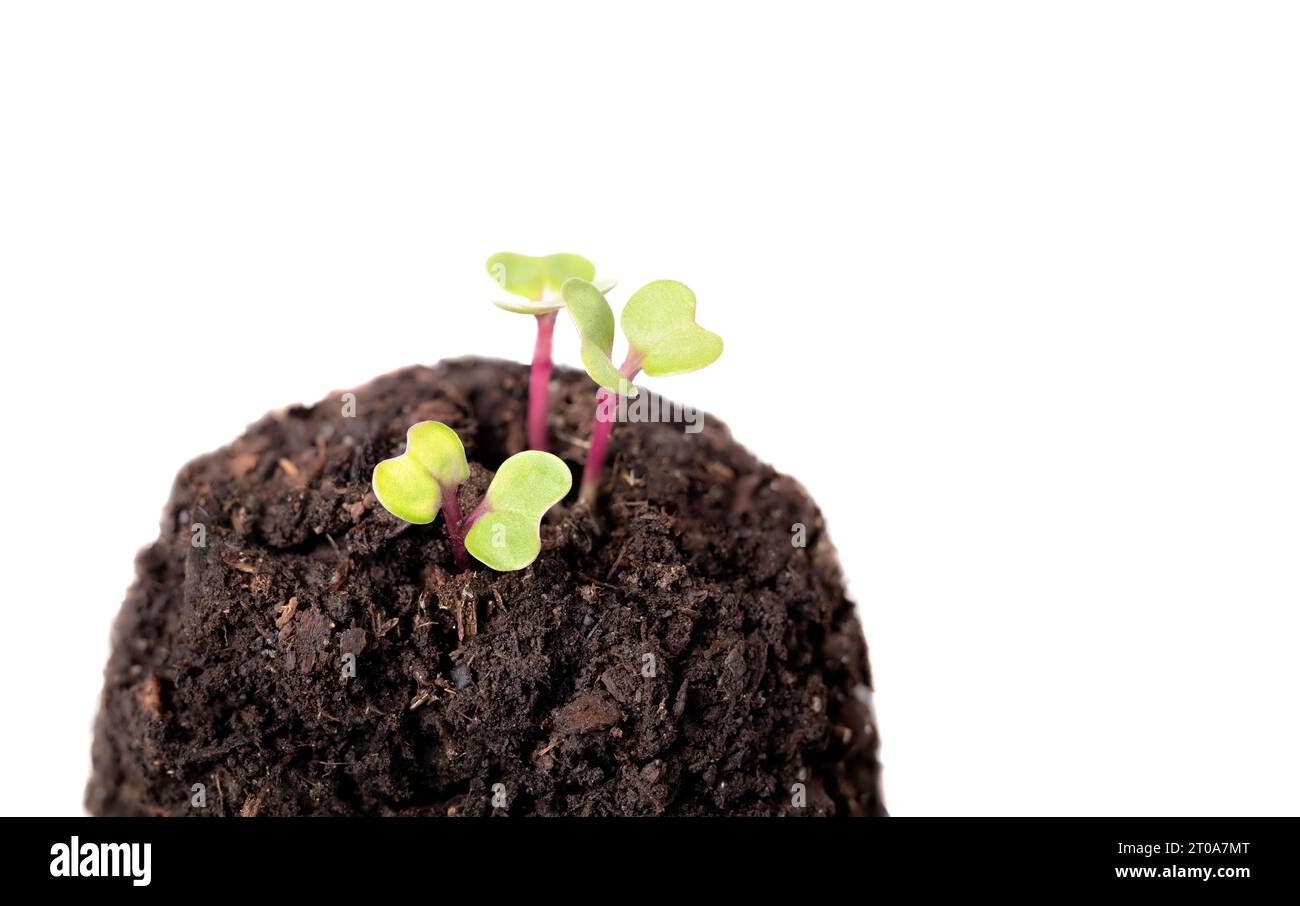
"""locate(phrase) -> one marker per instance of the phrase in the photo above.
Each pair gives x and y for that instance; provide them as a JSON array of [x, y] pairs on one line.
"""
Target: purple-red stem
[[476, 514], [539, 382], [451, 512], [606, 405], [601, 426]]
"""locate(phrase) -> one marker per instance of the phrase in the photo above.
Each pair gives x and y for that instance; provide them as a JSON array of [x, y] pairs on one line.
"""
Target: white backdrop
[[1011, 287]]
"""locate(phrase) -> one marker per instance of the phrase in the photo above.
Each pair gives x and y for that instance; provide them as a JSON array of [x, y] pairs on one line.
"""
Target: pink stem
[[451, 511], [476, 514], [601, 426], [539, 382]]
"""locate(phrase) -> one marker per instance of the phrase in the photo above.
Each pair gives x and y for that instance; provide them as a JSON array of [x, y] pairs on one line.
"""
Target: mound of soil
[[288, 647]]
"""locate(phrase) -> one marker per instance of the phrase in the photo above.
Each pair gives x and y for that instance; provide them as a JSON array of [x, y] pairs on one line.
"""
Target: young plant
[[537, 280], [662, 337], [503, 531]]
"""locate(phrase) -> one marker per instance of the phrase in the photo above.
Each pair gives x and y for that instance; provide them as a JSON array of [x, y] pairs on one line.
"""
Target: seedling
[[504, 530], [662, 337], [537, 280]]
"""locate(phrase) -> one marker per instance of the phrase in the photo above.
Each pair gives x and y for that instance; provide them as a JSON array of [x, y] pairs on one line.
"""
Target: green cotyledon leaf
[[507, 534], [595, 322], [562, 267], [536, 277], [659, 323], [519, 275], [411, 486]]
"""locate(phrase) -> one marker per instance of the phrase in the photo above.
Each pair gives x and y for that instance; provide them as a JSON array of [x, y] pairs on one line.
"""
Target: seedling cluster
[[503, 530]]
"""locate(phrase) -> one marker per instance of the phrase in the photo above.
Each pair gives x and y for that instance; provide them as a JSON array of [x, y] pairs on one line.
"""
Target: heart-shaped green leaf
[[534, 277], [595, 322], [411, 486], [659, 323], [506, 535]]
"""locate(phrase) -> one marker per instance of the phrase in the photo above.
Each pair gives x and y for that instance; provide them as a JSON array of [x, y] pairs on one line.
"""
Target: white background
[[1011, 287]]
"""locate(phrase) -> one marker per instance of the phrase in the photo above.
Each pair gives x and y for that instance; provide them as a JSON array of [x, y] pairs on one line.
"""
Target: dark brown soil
[[476, 688]]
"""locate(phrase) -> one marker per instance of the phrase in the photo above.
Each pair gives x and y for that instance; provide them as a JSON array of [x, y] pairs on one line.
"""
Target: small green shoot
[[424, 479], [427, 476], [411, 486], [537, 281], [536, 278], [505, 532], [663, 339]]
